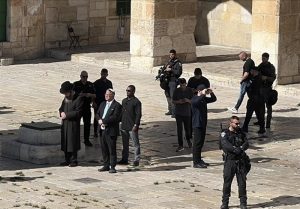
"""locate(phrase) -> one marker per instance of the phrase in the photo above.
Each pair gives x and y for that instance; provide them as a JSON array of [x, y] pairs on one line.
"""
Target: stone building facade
[[33, 26], [155, 26]]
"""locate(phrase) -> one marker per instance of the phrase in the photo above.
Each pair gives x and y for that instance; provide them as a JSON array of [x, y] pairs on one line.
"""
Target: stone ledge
[[37, 154], [6, 61]]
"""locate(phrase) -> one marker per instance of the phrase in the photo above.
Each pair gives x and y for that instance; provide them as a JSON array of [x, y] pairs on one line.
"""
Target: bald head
[[243, 56]]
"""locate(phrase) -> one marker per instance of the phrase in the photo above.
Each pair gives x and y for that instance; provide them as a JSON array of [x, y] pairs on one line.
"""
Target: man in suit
[[109, 116], [199, 122]]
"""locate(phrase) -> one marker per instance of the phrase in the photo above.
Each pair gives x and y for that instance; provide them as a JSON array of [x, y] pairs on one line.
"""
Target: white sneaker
[[232, 109]]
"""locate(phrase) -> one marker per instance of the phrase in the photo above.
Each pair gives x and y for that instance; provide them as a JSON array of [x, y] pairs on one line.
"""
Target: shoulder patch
[[223, 134]]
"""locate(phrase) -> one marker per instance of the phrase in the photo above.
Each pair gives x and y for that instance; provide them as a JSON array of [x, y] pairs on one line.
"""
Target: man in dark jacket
[[268, 76], [70, 113], [173, 70], [100, 85], [236, 163], [131, 119], [255, 102], [85, 89], [199, 122], [182, 100], [197, 80], [109, 116]]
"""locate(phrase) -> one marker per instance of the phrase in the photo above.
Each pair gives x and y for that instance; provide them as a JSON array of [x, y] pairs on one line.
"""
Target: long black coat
[[70, 129]]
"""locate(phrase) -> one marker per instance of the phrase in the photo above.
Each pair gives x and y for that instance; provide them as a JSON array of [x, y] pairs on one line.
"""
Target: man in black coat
[[70, 113], [100, 85], [109, 116], [199, 122], [255, 102], [86, 90], [268, 76]]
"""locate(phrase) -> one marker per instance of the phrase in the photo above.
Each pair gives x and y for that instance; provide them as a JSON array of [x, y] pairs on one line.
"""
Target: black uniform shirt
[[88, 87], [101, 86], [131, 113], [248, 65], [230, 140], [183, 109], [194, 82], [267, 70]]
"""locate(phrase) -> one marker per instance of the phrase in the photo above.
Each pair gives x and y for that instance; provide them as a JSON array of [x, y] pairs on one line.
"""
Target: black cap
[[66, 86]]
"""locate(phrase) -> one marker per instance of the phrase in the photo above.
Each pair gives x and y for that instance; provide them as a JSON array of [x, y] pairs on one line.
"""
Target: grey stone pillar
[[158, 26]]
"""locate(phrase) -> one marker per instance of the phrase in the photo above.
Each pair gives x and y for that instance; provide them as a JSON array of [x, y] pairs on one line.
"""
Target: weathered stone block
[[67, 14], [164, 10], [82, 13], [6, 61], [78, 2], [175, 26], [56, 32]]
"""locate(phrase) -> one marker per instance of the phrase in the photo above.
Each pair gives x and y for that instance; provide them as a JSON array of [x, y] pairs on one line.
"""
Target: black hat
[[66, 87], [201, 87], [198, 71]]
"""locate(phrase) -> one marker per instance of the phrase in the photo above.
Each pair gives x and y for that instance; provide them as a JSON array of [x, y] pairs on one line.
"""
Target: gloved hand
[[237, 150]]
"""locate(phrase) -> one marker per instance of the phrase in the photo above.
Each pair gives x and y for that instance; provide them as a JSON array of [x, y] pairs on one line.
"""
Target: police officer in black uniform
[[255, 102], [268, 75], [173, 69], [85, 88], [233, 142]]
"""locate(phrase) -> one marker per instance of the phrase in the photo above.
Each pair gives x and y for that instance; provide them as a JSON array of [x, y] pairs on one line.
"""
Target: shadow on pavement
[[218, 58], [285, 200], [6, 110], [18, 179]]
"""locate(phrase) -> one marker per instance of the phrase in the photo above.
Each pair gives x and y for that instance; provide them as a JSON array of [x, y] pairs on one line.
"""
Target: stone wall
[[225, 23], [36, 25], [158, 26], [95, 21], [276, 30], [26, 30]]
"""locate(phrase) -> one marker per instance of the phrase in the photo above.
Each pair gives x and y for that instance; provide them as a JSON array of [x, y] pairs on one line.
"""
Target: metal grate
[[123, 7]]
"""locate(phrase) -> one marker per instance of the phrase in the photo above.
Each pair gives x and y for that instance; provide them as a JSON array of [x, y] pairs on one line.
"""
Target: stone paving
[[165, 179]]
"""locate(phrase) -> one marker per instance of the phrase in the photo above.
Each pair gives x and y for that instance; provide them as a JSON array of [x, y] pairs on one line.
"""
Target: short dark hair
[[182, 80], [198, 71], [266, 55], [173, 51], [132, 87], [104, 70], [234, 117]]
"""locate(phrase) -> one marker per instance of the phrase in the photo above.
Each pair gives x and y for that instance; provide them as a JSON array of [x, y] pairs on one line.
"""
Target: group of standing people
[[257, 83], [188, 105], [79, 97]]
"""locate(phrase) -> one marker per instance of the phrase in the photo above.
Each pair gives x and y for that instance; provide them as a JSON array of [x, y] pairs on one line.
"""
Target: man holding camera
[[199, 122], [172, 70]]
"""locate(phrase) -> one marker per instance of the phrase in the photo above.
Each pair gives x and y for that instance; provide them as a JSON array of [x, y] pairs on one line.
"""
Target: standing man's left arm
[[212, 98], [177, 69], [138, 116]]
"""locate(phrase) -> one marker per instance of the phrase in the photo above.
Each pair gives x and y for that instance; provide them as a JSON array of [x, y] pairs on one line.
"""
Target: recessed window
[[123, 7]]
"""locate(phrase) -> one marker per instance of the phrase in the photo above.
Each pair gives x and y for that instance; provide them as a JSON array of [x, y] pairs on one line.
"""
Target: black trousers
[[198, 142], [71, 157], [86, 115], [108, 147], [257, 105], [231, 169], [186, 122]]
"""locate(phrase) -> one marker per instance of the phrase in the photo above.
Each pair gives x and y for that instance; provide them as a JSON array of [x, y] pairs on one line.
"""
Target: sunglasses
[[236, 123], [128, 90]]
